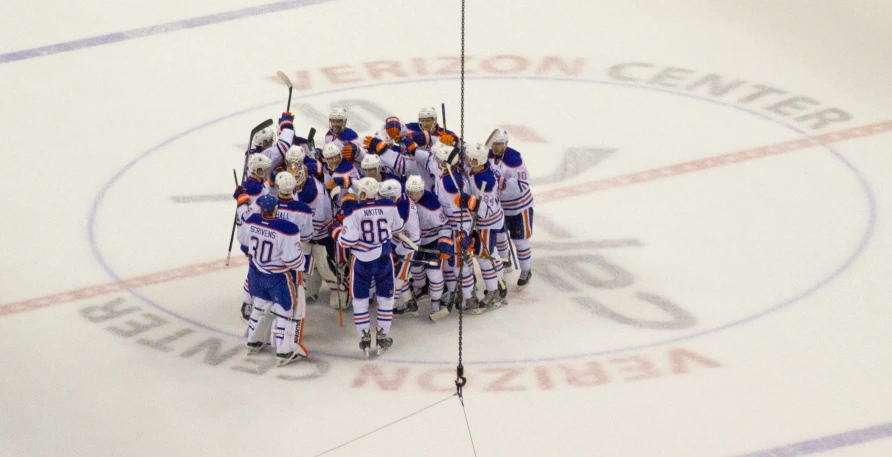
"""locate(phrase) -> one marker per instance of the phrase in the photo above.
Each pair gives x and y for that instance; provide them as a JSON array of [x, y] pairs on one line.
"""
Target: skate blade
[[475, 311], [283, 362], [365, 353], [380, 351]]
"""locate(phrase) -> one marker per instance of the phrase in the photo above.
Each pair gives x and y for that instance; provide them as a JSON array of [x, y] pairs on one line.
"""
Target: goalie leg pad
[[257, 330]]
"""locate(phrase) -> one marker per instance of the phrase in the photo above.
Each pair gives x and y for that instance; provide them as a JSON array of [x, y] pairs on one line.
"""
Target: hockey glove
[[465, 241], [348, 204], [349, 152], [241, 196], [422, 138], [446, 138], [393, 126], [374, 145], [446, 247], [409, 143], [286, 121], [339, 181], [466, 201]]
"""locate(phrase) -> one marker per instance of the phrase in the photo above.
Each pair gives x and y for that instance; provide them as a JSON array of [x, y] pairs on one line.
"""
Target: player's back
[[369, 228], [273, 244]]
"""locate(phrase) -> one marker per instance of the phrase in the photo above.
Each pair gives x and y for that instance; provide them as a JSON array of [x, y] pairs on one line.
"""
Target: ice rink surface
[[711, 248]]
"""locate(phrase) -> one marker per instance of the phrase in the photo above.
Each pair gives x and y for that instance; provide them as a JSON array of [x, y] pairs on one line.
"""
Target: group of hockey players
[[396, 216]]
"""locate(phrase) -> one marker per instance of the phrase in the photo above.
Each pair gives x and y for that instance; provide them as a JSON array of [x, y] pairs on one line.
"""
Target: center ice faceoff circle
[[615, 271]]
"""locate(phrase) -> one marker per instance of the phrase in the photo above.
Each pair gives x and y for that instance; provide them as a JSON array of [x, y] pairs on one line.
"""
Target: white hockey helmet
[[266, 137], [258, 162], [443, 151], [390, 189], [414, 184], [331, 150], [371, 162], [426, 113], [478, 152], [501, 137], [338, 113], [285, 182], [295, 154], [368, 187]]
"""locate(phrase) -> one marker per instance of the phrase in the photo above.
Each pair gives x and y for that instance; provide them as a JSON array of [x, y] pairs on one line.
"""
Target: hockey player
[[427, 123], [449, 187], [255, 186], [435, 235], [517, 202], [392, 190], [402, 151], [340, 176], [483, 200], [371, 168], [272, 144], [296, 212], [298, 154], [275, 280], [311, 192], [346, 139], [367, 231]]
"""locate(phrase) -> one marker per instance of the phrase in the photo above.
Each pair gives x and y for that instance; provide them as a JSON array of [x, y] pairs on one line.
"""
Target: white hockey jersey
[[431, 220], [369, 228], [273, 244], [516, 196], [489, 209]]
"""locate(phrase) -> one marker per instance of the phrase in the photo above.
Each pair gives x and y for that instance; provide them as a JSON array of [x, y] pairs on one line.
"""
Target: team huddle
[[396, 216]]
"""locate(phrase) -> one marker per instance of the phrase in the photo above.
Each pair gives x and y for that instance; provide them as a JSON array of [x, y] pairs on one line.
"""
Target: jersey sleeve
[[350, 233]]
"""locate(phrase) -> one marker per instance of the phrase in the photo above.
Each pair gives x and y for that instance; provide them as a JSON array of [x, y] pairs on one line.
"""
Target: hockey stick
[[287, 82], [254, 131], [443, 110], [232, 235], [492, 136]]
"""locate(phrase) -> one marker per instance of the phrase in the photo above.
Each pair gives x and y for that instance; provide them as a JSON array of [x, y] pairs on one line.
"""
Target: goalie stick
[[254, 131]]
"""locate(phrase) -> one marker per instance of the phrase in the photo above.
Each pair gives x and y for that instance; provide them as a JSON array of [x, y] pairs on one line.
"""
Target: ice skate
[[365, 343], [508, 266], [473, 306], [410, 310], [525, 276], [285, 359], [456, 300], [383, 341], [503, 297], [255, 347]]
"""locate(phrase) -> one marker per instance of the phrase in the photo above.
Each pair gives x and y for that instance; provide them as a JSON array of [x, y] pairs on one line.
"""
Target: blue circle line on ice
[[865, 239]]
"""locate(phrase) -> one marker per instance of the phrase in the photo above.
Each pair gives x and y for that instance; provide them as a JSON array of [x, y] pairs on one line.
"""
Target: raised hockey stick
[[254, 131], [492, 136], [287, 82]]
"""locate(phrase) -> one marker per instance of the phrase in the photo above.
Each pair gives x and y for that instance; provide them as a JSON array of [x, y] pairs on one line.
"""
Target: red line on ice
[[547, 196]]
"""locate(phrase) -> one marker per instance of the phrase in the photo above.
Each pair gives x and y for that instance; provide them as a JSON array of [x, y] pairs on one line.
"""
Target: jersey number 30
[[261, 251], [370, 236]]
